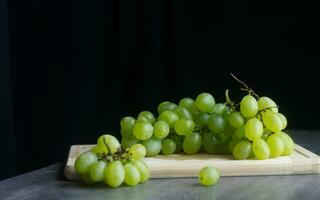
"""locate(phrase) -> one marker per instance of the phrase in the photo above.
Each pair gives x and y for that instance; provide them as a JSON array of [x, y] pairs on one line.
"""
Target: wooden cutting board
[[301, 161]]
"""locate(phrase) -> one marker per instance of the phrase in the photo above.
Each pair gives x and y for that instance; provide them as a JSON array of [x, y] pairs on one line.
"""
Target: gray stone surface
[[48, 183]]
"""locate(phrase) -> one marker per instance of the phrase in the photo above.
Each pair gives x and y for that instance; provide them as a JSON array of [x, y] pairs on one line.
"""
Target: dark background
[[71, 69]]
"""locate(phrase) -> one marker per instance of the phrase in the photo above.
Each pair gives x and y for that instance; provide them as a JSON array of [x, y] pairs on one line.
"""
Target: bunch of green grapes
[[106, 162]]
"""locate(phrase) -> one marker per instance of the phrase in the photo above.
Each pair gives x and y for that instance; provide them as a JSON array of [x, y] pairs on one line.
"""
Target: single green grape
[[109, 141], [202, 119], [97, 171], [189, 104], [267, 103], [99, 150], [232, 143], [216, 123], [253, 129], [192, 143], [219, 108], [288, 143], [114, 174], [142, 130], [146, 115], [168, 146], [126, 125], [178, 141], [242, 150], [276, 145], [184, 126], [137, 151], [236, 120], [170, 117], [161, 129], [239, 133], [208, 176], [153, 146], [205, 102], [272, 121], [226, 114], [143, 170], [166, 106], [127, 142], [249, 106], [183, 113], [132, 175], [84, 162], [283, 120], [261, 149], [211, 143]]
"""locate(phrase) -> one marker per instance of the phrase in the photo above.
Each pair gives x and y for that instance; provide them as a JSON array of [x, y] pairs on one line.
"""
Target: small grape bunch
[[106, 162]]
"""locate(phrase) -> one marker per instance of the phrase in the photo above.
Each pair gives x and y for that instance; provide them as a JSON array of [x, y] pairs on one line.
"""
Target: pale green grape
[[132, 175], [242, 150], [168, 146], [288, 143], [97, 171], [183, 113], [249, 106], [143, 170], [170, 117], [261, 149], [184, 126], [253, 129], [84, 162], [127, 124], [178, 141], [110, 141], [114, 174], [161, 129], [208, 176], [236, 120], [146, 115], [192, 143], [99, 150], [153, 146], [189, 104], [266, 102], [232, 143], [216, 123], [202, 119], [240, 132], [226, 114], [127, 142], [272, 121], [137, 151], [166, 106], [142, 130], [219, 108], [276, 145], [210, 143], [205, 102], [283, 120]]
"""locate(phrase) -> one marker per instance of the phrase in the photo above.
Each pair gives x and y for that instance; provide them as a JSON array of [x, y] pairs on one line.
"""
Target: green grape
[[202, 119], [127, 142], [84, 162], [132, 175], [266, 102], [288, 143], [146, 115], [239, 133], [232, 143], [205, 102], [226, 114], [236, 120], [242, 150], [178, 141], [184, 126], [261, 149], [210, 143], [283, 120], [168, 146], [99, 150], [219, 108], [137, 151], [189, 104], [166, 106], [110, 141], [143, 170], [170, 117], [161, 129], [126, 125], [272, 121], [87, 178], [114, 174], [183, 113], [208, 176], [142, 130], [192, 143], [249, 106], [153, 146], [276, 145], [97, 171], [216, 123], [253, 129]]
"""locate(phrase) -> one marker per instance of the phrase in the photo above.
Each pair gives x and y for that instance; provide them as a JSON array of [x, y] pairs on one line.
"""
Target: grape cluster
[[107, 162]]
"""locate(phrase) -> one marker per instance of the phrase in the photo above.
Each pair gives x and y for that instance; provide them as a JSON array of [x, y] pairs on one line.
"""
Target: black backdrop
[[70, 69]]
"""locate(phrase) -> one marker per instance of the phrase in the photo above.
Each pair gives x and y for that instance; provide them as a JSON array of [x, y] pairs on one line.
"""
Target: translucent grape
[[236, 120], [192, 143], [137, 151], [183, 113], [97, 171], [168, 146], [205, 102], [210, 143], [272, 121], [142, 130], [216, 123], [208, 176], [84, 162], [132, 175], [226, 114], [276, 145], [288, 143], [218, 108], [143, 170], [114, 174], [99, 150], [202, 119], [127, 142], [232, 143], [147, 115], [189, 104], [283, 120], [266, 102], [161, 129], [242, 150], [169, 117], [127, 124], [240, 132], [166, 106], [178, 141], [249, 106], [111, 142], [153, 146], [184, 126], [253, 129], [261, 149]]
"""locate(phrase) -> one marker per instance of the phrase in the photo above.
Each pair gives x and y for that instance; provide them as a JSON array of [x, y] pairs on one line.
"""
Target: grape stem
[[246, 87], [229, 102]]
